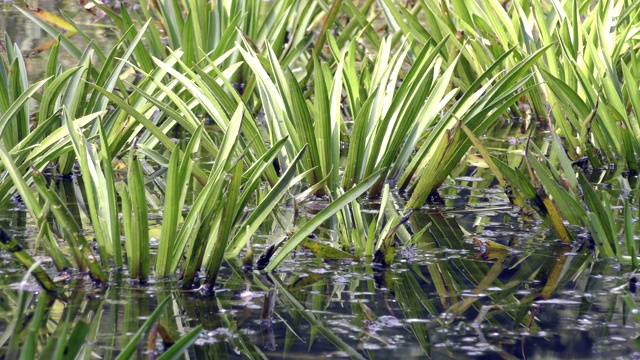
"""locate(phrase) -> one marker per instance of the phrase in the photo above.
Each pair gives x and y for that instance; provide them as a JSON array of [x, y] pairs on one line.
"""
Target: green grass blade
[[322, 216], [130, 348], [177, 187], [628, 235], [226, 223], [30, 344], [81, 249], [100, 201], [34, 208], [263, 209], [138, 232], [176, 350]]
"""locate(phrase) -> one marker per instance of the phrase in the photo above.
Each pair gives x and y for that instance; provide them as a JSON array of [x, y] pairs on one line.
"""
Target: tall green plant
[[100, 190], [477, 109]]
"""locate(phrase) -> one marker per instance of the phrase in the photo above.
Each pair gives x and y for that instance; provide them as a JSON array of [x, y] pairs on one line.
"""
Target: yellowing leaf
[[52, 19]]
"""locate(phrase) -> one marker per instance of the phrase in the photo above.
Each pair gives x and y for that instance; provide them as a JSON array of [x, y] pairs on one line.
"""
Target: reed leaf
[[319, 218], [83, 255], [100, 193], [136, 228], [177, 187]]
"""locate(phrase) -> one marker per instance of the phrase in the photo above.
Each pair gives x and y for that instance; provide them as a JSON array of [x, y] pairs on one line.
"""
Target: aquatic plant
[[411, 89], [397, 133], [205, 232]]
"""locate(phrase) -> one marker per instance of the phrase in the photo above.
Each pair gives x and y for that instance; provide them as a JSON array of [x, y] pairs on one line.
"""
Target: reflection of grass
[[69, 326]]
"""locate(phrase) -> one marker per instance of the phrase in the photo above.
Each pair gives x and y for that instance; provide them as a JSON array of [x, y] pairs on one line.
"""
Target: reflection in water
[[266, 320], [28, 35], [353, 310]]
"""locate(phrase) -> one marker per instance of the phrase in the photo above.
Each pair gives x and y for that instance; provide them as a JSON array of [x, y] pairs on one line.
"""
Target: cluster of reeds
[[410, 86], [467, 67]]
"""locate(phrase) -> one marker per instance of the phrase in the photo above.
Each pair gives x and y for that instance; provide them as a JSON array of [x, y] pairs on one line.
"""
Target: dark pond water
[[445, 296]]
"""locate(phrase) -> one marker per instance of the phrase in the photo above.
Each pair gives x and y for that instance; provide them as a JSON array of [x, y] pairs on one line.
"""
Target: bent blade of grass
[[263, 209], [55, 33], [558, 152], [326, 251], [101, 201], [197, 90], [566, 202], [81, 249], [16, 250], [552, 213], [45, 147], [120, 128], [313, 189], [431, 165], [185, 117], [176, 350], [149, 125], [485, 155], [130, 348], [478, 112], [34, 208], [322, 216]]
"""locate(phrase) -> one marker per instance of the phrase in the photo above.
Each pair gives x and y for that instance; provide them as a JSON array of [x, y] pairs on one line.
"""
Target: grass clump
[[411, 87]]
